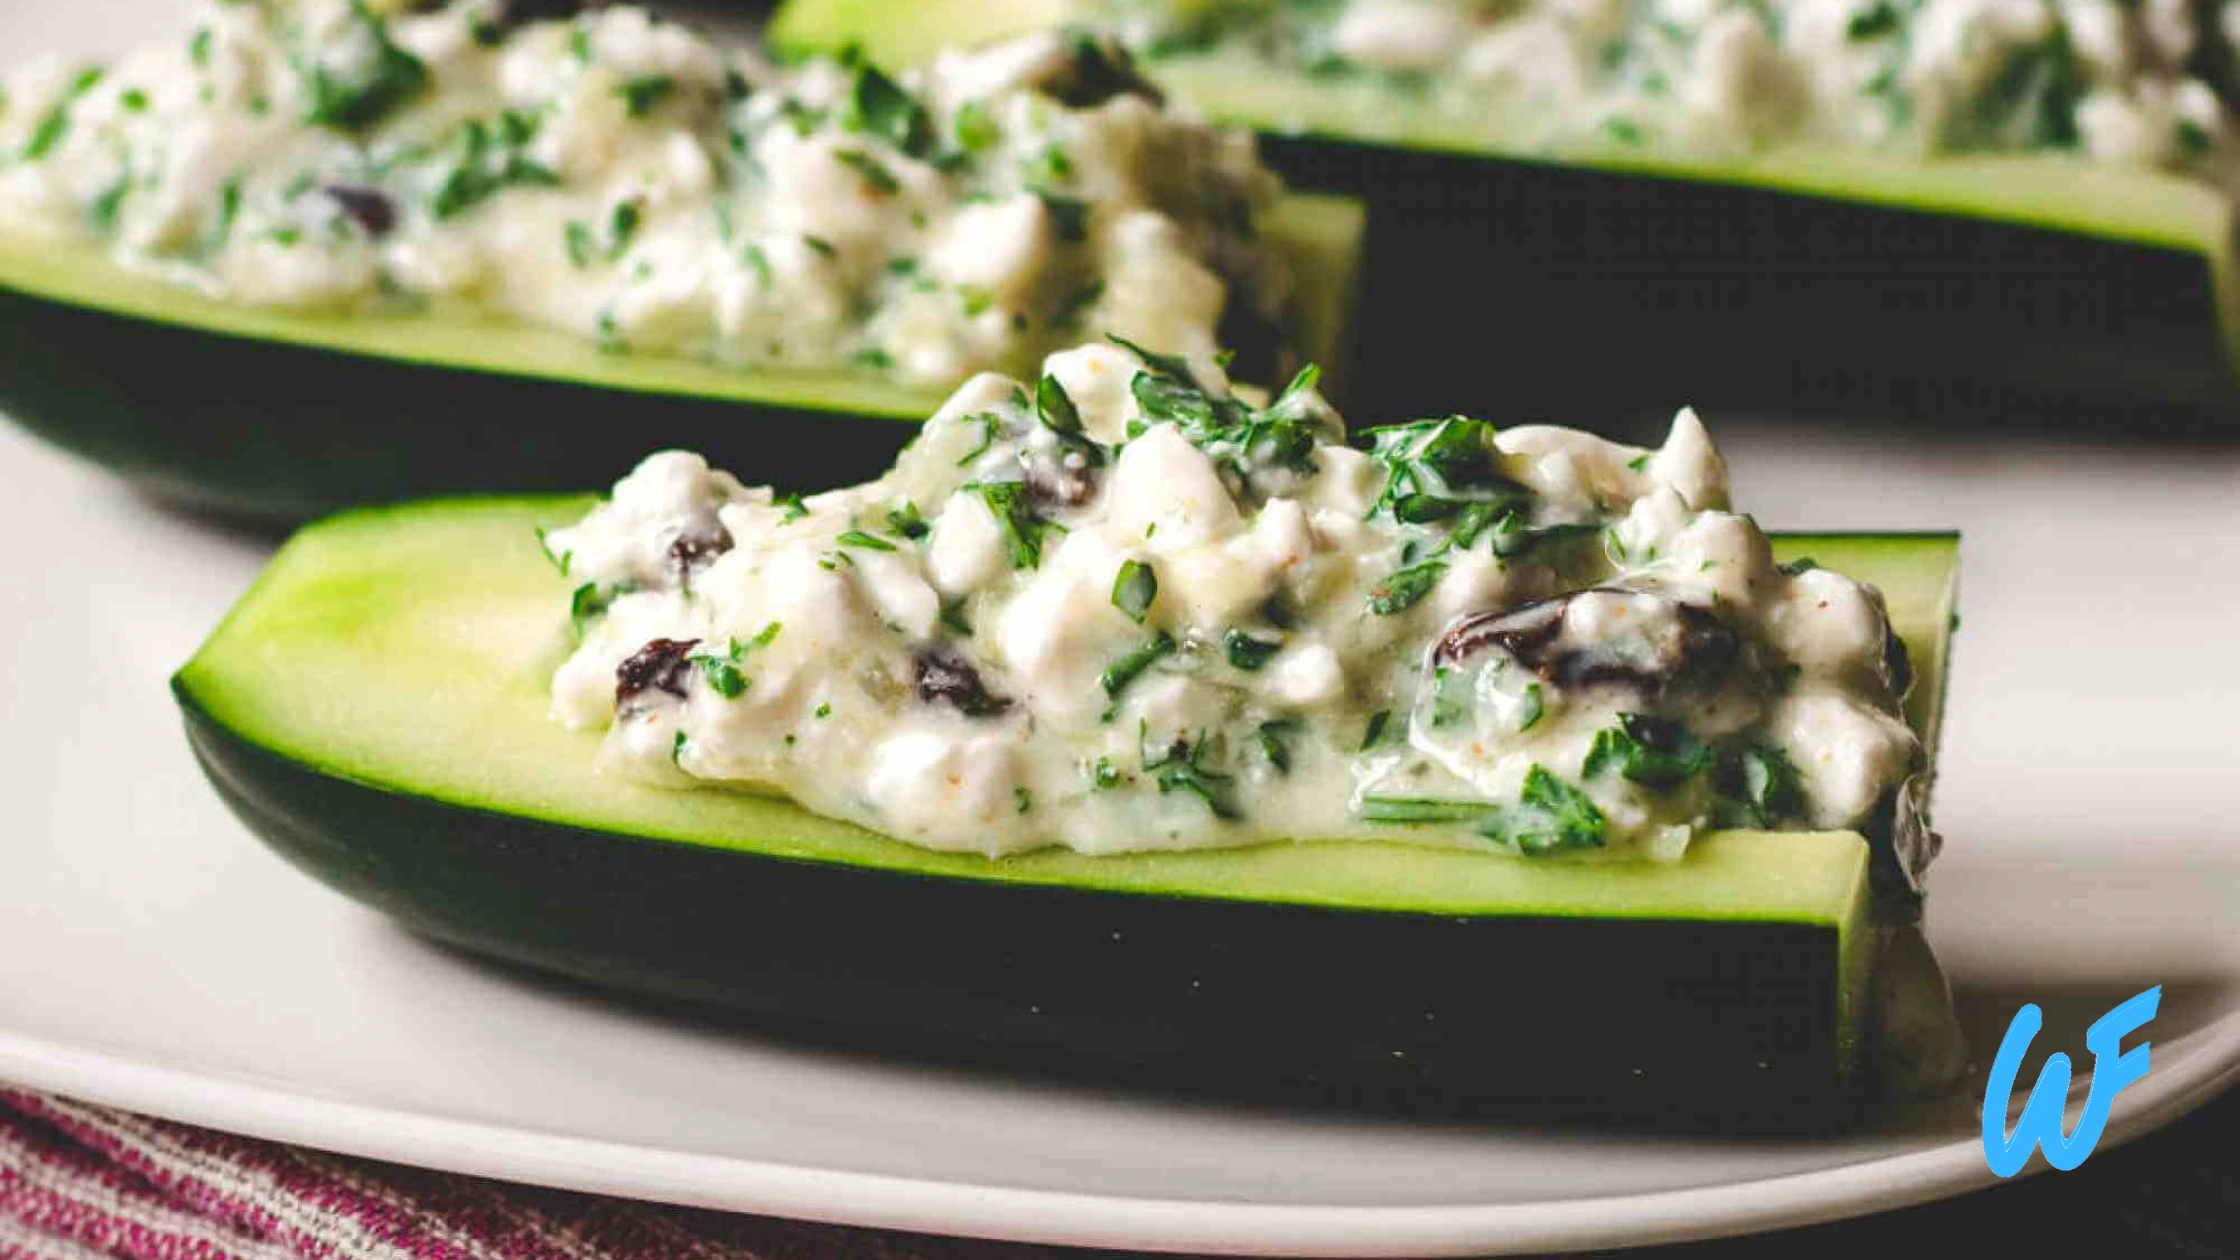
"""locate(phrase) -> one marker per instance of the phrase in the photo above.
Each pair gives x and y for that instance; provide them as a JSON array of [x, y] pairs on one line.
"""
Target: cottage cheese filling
[[1119, 607], [627, 179], [2129, 82]]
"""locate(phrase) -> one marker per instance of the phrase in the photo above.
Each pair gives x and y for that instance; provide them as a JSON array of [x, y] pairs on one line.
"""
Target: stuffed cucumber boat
[[2026, 194], [1134, 725], [317, 252]]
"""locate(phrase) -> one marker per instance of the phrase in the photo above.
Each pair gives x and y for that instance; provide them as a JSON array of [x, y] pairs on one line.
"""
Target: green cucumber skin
[[375, 707], [1964, 289], [1737, 298], [1280, 1003], [276, 432], [276, 417]]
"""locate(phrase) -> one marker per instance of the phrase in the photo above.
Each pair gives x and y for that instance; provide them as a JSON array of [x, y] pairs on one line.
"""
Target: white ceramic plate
[[152, 955]]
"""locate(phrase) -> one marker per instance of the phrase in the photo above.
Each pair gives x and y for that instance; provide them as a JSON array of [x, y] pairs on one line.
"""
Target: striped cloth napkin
[[80, 1182]]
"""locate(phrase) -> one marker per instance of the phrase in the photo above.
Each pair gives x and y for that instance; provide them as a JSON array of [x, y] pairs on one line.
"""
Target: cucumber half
[[370, 710], [1968, 274], [284, 415]]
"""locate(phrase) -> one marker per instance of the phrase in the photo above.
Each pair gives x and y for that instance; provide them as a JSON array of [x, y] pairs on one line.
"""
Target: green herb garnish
[[877, 177], [1128, 668], [1654, 752], [1134, 588], [1759, 787], [878, 106], [1550, 815], [1013, 509], [1181, 768], [1245, 652], [1272, 737], [1054, 407], [379, 77], [1530, 708], [642, 95], [1405, 587], [905, 521]]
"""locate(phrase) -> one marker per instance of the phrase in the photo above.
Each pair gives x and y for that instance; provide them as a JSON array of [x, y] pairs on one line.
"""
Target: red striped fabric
[[81, 1182]]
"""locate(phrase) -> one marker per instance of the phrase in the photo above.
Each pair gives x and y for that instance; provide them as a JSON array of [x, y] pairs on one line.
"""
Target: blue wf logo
[[2040, 1125]]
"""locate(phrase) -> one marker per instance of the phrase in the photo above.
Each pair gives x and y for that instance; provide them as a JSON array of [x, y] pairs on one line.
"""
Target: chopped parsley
[[1069, 215], [1654, 752], [1054, 407], [1128, 668], [374, 79], [758, 262], [1013, 509], [561, 561], [721, 670], [622, 225], [577, 238], [1134, 588], [642, 95], [905, 521], [974, 128], [590, 601], [990, 424], [485, 164], [1549, 816], [869, 542], [55, 123], [1273, 738], [1880, 18], [1233, 434], [952, 616], [878, 106], [1181, 768], [876, 177], [1049, 165], [1245, 652], [1530, 708], [1406, 587], [1759, 787]]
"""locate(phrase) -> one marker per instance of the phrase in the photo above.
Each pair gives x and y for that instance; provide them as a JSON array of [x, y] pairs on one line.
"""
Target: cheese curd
[[627, 179], [1121, 607], [2144, 83]]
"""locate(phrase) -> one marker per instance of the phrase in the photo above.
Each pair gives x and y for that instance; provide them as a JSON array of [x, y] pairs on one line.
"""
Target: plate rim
[[2207, 1062]]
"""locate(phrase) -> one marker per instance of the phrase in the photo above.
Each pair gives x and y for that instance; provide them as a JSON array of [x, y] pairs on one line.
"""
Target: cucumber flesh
[[373, 710], [281, 414]]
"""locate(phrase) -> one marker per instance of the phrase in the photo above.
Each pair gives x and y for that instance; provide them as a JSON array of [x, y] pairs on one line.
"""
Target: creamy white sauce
[[2128, 82], [1117, 608], [628, 179]]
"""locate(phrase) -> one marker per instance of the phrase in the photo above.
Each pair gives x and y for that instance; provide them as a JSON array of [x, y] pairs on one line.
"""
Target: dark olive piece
[[369, 208], [1529, 634], [945, 676], [700, 541], [662, 665]]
